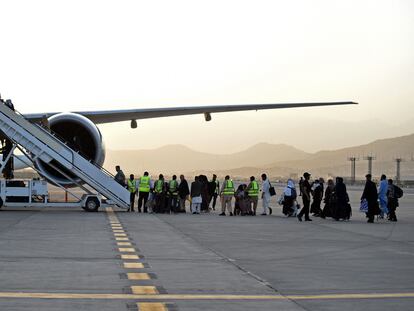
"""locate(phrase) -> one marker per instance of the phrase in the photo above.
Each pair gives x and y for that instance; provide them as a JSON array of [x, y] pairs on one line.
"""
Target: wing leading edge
[[110, 116]]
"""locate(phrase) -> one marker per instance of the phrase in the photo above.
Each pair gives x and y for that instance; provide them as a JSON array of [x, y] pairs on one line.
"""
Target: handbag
[[272, 190], [363, 208]]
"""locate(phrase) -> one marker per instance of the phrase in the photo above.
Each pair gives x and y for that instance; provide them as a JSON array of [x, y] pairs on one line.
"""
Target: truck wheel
[[92, 204], [1, 202]]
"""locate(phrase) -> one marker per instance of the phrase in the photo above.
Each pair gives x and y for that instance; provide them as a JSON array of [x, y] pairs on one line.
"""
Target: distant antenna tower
[[398, 172], [353, 168], [370, 158]]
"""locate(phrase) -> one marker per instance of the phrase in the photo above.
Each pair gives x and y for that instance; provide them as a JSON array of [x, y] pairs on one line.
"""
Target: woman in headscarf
[[341, 209], [328, 200], [289, 199]]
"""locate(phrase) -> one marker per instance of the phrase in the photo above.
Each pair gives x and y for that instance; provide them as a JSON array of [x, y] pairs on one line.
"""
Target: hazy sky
[[99, 55]]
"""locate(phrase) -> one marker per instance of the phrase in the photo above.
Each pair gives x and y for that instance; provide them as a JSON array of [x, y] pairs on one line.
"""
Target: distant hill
[[178, 158], [275, 159], [335, 161]]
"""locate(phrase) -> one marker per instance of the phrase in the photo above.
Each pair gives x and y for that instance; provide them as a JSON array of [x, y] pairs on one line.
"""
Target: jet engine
[[80, 134]]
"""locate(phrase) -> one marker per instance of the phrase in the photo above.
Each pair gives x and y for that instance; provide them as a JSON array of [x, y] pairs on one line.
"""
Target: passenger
[[183, 193], [306, 192], [165, 204], [213, 191], [317, 193], [227, 194], [150, 205], [242, 201], [342, 209], [173, 195], [328, 200], [132, 188], [393, 194], [120, 176], [196, 200], [382, 196], [289, 199], [371, 195], [204, 193], [253, 194], [144, 186], [247, 210], [300, 186], [159, 191], [265, 196]]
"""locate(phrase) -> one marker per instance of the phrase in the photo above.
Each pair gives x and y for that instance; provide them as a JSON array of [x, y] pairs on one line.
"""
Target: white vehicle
[[35, 193], [38, 144]]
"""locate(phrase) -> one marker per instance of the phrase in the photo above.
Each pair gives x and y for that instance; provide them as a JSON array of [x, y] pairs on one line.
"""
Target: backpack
[[398, 192]]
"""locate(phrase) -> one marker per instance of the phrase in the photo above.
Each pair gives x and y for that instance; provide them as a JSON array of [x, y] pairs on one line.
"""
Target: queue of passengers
[[170, 196], [163, 196]]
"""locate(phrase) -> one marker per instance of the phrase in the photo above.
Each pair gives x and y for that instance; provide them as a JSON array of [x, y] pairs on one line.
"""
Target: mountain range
[[277, 159]]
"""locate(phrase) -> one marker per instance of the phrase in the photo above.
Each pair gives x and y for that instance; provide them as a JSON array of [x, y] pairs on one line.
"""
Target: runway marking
[[127, 250], [129, 256], [121, 239], [133, 265], [138, 276], [144, 290], [136, 290], [151, 306], [109, 296]]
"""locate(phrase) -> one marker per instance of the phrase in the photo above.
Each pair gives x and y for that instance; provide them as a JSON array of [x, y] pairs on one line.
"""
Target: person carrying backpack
[[393, 194]]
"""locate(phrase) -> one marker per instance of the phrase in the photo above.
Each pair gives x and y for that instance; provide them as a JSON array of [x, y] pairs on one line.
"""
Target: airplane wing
[[99, 117]]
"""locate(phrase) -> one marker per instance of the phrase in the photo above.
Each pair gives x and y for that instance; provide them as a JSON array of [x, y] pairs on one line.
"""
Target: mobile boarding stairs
[[35, 143]]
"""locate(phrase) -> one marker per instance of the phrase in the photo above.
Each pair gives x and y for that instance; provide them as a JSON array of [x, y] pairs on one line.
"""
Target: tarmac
[[67, 259]]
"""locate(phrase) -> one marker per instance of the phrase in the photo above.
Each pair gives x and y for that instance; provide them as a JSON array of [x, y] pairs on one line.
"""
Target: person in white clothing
[[266, 195]]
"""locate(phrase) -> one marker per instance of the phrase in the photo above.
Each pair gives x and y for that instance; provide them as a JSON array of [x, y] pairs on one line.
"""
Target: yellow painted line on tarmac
[[151, 306], [202, 297], [123, 256], [144, 290], [121, 239], [117, 227], [123, 244], [120, 234], [138, 276], [118, 231], [127, 250], [133, 265]]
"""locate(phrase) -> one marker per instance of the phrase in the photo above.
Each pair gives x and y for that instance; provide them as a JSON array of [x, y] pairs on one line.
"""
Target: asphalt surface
[[67, 259]]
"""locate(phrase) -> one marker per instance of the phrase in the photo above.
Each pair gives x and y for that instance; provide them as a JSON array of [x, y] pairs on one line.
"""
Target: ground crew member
[[132, 188], [227, 194], [253, 193], [159, 192], [173, 194], [144, 187]]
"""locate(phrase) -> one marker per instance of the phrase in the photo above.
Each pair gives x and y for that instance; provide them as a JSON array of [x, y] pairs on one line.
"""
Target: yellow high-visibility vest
[[229, 188], [132, 185], [159, 186], [254, 189], [173, 187], [144, 184]]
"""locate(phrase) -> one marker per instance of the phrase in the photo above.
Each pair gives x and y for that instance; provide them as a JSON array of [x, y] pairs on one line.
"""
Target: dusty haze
[[276, 160], [97, 55]]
